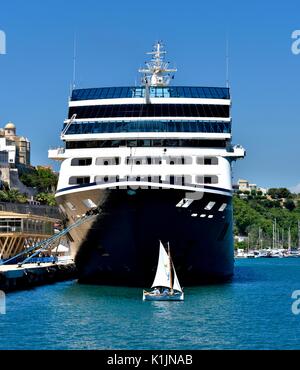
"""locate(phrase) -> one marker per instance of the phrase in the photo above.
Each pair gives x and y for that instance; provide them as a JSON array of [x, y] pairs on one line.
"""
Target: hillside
[[260, 212]]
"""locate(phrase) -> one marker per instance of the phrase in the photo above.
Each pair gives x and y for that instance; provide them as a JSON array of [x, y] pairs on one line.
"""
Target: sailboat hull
[[162, 297]]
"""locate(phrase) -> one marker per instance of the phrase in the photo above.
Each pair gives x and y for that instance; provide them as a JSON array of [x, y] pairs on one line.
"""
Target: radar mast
[[157, 71]]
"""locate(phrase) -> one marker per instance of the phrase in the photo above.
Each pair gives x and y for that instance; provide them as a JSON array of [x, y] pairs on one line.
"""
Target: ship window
[[210, 179], [203, 215], [155, 160], [207, 179], [81, 162], [143, 160], [207, 160], [209, 206], [145, 178], [179, 160], [131, 143], [223, 206], [173, 91], [172, 180], [108, 161], [179, 180], [188, 143], [89, 203], [211, 160], [93, 127], [74, 180], [105, 179], [149, 110], [187, 160]]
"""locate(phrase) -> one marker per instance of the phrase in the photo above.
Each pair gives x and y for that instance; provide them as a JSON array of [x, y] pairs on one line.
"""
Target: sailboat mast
[[171, 268]]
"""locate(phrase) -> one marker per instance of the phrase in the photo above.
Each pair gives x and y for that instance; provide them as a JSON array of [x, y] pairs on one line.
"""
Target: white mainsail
[[162, 277]]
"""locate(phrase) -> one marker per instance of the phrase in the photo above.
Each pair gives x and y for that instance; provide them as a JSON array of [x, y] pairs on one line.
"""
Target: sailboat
[[165, 286]]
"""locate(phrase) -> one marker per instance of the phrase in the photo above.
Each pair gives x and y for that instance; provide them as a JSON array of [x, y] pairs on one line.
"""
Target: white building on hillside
[[244, 185]]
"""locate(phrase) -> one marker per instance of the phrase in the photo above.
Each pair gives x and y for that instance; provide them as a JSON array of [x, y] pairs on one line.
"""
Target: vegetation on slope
[[43, 179], [255, 212]]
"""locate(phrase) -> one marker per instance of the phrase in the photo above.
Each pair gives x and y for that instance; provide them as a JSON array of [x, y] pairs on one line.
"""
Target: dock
[[29, 275]]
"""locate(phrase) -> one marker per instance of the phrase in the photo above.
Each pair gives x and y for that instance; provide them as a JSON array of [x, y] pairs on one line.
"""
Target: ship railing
[[56, 153]]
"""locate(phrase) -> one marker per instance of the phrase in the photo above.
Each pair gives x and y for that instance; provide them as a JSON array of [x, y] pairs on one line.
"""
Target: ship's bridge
[[155, 92]]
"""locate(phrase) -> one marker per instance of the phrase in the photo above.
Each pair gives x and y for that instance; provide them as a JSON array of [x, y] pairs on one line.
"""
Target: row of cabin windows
[[150, 110], [171, 179], [99, 161], [96, 127], [186, 143], [144, 160]]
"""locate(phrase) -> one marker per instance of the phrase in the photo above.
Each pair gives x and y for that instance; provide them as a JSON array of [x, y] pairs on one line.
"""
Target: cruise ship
[[156, 159]]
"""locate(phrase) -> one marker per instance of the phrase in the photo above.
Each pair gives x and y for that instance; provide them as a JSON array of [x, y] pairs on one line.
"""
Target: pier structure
[[24, 225], [28, 273], [15, 277]]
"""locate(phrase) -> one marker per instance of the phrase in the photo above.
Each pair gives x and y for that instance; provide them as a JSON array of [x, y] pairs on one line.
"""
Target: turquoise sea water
[[251, 312]]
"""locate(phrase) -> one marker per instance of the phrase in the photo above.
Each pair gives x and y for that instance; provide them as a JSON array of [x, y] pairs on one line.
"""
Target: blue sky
[[112, 37]]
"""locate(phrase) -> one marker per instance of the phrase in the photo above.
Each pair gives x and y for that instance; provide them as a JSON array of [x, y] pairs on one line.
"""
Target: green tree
[[279, 193], [289, 204], [3, 196], [46, 198], [15, 196], [44, 179]]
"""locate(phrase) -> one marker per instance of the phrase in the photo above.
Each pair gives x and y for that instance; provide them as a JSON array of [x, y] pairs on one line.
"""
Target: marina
[[267, 253]]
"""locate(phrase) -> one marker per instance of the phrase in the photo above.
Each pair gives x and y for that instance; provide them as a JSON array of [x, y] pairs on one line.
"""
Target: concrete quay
[[29, 275]]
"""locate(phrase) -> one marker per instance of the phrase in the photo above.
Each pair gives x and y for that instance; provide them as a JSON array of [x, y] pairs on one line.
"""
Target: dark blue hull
[[122, 245]]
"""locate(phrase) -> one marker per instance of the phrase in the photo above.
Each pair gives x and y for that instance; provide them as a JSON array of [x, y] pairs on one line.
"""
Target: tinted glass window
[[141, 143], [150, 110], [81, 162], [148, 126], [138, 92]]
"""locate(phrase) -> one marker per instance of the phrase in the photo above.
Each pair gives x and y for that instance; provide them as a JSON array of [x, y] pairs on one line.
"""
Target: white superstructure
[[101, 165]]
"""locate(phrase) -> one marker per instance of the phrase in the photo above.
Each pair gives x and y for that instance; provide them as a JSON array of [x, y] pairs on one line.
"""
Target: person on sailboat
[[156, 291], [166, 291]]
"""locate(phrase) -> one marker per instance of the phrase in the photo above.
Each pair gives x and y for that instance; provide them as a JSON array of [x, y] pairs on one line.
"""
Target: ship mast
[[171, 268], [157, 71]]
